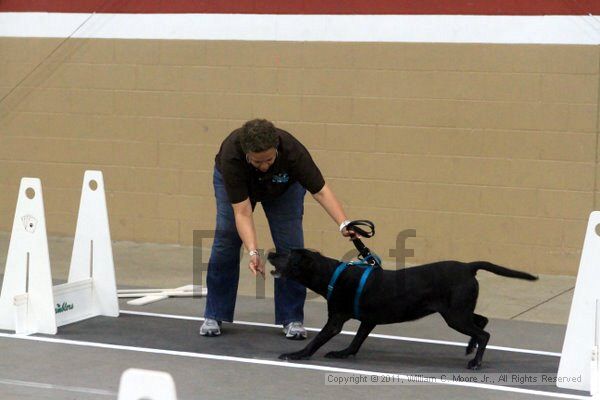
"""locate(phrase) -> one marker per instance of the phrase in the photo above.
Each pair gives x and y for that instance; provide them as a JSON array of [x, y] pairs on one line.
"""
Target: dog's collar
[[368, 268]]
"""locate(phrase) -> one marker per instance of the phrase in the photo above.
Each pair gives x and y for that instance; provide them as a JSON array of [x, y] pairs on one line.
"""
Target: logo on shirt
[[281, 178]]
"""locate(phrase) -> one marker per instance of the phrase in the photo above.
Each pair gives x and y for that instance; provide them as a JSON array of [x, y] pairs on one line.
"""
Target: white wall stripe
[[338, 28], [373, 335], [284, 364]]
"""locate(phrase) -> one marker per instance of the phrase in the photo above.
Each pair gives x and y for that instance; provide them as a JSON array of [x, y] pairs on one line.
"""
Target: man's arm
[[326, 198], [245, 227]]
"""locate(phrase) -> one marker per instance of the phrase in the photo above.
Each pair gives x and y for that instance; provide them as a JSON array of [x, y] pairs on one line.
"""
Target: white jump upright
[[28, 267], [92, 257], [578, 368], [28, 301], [139, 384], [595, 362]]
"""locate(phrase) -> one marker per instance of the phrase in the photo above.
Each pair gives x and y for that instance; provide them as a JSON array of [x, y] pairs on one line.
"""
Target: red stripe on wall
[[434, 7]]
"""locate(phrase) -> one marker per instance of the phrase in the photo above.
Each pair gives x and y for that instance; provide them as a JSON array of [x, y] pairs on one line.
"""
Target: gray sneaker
[[210, 327], [295, 331]]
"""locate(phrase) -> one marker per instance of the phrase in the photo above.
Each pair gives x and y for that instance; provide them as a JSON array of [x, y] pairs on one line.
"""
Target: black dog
[[447, 287]]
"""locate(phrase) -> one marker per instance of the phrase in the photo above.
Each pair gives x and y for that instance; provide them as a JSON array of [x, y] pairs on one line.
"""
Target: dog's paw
[[474, 365], [298, 355], [337, 354]]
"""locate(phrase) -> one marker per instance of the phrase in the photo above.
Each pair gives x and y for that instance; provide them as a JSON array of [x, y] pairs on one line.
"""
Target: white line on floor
[[40, 385], [284, 364], [373, 335]]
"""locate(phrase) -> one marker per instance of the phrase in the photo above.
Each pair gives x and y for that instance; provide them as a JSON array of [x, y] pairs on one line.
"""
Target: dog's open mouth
[[275, 259], [276, 274]]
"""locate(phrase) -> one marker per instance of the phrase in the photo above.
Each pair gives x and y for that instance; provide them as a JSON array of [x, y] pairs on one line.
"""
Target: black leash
[[356, 227], [367, 261]]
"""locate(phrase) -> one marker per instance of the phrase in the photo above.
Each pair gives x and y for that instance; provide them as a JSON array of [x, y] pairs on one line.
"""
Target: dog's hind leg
[[481, 322], [465, 325], [332, 327], [362, 333]]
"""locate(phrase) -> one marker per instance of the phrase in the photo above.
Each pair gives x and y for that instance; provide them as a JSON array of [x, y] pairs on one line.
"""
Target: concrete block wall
[[487, 151]]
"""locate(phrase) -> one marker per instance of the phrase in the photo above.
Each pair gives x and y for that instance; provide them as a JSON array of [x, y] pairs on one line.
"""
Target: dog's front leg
[[363, 332], [332, 327]]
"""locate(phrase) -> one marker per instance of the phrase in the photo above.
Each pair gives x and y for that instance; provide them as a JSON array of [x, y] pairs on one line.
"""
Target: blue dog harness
[[369, 263]]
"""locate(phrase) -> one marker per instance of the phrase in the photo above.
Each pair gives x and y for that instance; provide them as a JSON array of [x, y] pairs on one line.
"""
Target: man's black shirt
[[292, 164]]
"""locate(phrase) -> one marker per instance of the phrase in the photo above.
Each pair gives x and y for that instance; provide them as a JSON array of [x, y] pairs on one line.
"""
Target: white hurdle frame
[[28, 302], [578, 368]]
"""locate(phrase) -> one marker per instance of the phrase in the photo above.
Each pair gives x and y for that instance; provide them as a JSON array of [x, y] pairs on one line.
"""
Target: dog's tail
[[498, 270]]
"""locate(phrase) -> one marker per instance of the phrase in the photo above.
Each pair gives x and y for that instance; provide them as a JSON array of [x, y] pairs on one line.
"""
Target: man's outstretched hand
[[256, 265]]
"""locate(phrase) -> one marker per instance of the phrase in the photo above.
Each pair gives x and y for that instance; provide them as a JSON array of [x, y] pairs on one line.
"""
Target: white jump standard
[[146, 384], [28, 302], [578, 367]]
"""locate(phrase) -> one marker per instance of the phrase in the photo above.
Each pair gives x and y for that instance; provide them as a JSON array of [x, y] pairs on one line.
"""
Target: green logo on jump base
[[60, 308]]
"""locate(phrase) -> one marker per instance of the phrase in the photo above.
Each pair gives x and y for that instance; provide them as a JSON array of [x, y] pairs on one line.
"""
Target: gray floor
[[75, 368], [84, 361]]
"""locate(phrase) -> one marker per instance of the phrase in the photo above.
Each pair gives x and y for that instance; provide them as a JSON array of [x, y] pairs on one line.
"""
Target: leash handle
[[355, 226]]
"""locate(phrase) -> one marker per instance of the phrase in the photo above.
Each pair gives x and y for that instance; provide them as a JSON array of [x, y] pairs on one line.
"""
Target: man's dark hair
[[258, 135]]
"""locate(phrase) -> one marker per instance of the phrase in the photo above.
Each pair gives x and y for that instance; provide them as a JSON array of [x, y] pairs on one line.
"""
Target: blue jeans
[[285, 222]]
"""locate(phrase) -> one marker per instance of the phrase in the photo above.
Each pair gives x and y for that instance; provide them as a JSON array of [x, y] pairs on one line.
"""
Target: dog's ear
[[299, 256], [296, 256], [278, 259]]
